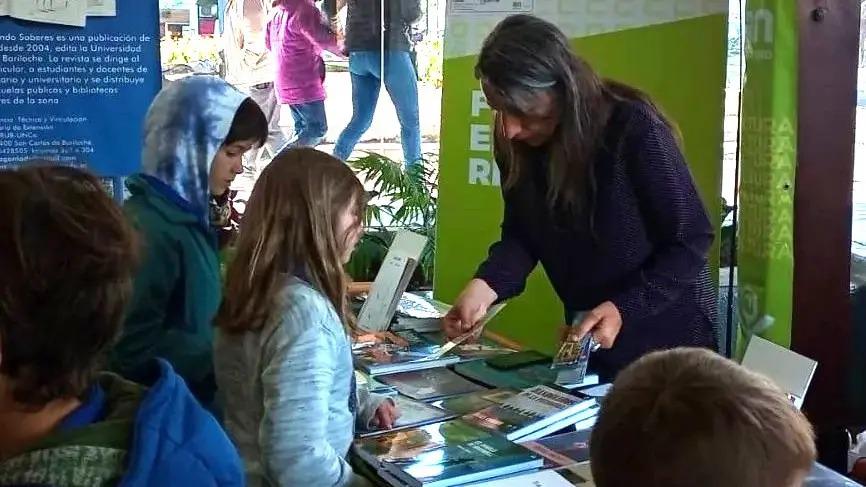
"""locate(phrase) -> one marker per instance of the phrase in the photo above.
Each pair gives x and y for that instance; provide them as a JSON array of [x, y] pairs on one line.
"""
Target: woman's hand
[[469, 308], [386, 415], [604, 322]]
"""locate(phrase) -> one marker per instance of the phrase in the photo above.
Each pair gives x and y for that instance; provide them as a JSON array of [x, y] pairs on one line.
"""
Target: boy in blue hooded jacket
[[68, 256]]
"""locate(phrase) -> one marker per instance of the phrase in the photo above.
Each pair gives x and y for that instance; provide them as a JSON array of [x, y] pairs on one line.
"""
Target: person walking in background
[[370, 67], [196, 133], [296, 35], [249, 69]]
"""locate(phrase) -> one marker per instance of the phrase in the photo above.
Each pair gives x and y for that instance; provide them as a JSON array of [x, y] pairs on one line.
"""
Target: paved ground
[[383, 136]]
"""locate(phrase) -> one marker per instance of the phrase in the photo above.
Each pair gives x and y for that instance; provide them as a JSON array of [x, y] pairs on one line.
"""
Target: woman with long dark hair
[[597, 190]]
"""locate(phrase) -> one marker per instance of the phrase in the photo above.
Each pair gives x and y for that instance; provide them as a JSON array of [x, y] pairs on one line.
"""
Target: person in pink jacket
[[296, 35]]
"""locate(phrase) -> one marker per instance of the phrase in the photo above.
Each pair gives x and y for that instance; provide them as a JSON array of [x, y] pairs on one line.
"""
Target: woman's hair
[[526, 56], [249, 123], [68, 256], [290, 227]]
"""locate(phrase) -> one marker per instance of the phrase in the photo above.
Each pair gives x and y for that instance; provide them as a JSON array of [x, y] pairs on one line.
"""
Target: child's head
[[249, 129], [304, 218], [68, 256], [196, 131], [689, 417]]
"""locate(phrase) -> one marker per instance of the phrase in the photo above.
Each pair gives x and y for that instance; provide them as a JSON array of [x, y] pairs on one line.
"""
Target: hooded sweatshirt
[[296, 35], [127, 435], [177, 289]]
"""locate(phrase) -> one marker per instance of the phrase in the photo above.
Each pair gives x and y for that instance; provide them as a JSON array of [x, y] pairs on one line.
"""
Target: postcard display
[[673, 50], [76, 79]]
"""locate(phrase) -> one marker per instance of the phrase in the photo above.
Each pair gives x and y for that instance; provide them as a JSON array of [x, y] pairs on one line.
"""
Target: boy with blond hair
[[689, 417]]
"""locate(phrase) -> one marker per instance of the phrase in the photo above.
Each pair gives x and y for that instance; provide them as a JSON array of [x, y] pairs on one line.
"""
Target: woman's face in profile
[[534, 128]]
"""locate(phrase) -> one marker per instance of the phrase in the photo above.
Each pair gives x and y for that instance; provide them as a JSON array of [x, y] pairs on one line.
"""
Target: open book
[[391, 281], [64, 12], [789, 370]]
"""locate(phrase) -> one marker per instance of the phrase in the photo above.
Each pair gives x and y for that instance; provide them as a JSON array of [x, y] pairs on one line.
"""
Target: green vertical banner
[[768, 152], [674, 50]]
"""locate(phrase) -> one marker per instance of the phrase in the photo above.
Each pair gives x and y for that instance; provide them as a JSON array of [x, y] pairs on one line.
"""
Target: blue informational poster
[[78, 95]]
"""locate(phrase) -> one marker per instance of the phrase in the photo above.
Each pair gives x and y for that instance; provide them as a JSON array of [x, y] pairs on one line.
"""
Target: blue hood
[[176, 442], [186, 124]]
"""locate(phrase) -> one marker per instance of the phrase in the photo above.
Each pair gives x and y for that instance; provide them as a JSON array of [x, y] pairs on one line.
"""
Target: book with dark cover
[[446, 454], [412, 415], [519, 378], [532, 410], [430, 384], [563, 450], [476, 401]]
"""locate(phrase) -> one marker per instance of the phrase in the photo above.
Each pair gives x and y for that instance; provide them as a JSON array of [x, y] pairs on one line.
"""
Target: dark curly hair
[[67, 256]]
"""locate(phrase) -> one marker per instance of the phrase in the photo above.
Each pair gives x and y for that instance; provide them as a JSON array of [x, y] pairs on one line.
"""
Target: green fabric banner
[[768, 163]]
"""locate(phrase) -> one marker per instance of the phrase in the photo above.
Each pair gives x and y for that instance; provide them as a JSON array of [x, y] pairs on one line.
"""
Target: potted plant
[[400, 199]]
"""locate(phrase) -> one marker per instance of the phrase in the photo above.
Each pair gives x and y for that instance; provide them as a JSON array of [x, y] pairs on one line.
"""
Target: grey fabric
[[286, 389]]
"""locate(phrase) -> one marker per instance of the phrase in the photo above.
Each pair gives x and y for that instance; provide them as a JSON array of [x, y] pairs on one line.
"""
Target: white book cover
[[390, 282], [789, 370], [544, 478]]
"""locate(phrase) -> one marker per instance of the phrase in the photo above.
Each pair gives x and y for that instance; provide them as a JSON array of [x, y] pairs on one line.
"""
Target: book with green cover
[[519, 378], [445, 454], [430, 384], [534, 409]]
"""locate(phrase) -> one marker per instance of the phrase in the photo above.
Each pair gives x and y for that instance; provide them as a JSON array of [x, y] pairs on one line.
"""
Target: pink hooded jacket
[[296, 35]]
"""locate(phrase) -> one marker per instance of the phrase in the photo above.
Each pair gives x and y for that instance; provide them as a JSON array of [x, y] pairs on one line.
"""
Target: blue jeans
[[311, 124], [402, 86]]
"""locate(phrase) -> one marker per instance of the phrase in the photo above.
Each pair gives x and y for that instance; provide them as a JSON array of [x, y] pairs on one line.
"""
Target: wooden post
[[828, 58]]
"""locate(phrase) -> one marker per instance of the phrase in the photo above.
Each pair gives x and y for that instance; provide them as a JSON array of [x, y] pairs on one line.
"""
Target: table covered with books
[[484, 413], [480, 412]]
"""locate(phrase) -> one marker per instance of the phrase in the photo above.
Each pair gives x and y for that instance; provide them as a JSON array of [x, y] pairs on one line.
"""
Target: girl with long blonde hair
[[283, 357]]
